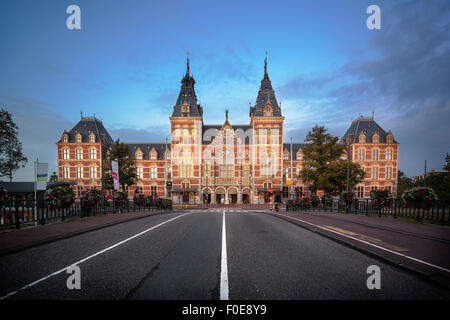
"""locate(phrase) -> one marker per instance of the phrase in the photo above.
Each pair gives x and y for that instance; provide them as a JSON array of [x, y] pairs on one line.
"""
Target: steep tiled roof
[[146, 148], [369, 126], [87, 125], [266, 95], [187, 96]]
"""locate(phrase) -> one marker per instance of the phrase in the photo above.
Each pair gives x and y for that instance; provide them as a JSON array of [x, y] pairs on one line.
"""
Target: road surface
[[196, 255]]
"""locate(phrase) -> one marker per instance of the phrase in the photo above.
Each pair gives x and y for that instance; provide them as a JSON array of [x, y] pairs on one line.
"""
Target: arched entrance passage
[[220, 195], [245, 197], [232, 195], [206, 195]]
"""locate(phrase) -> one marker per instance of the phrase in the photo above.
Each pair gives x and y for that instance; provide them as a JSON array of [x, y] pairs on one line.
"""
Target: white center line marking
[[87, 258], [224, 267], [368, 243]]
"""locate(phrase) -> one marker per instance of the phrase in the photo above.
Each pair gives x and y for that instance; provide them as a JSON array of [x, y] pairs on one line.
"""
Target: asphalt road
[[181, 255]]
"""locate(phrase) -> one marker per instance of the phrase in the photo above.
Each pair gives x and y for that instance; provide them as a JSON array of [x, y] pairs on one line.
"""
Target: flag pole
[[35, 197]]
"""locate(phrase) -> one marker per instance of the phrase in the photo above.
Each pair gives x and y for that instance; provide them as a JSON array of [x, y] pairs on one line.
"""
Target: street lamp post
[[292, 175]]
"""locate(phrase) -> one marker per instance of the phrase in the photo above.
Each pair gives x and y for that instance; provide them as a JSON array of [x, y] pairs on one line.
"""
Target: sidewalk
[[16, 240], [422, 248]]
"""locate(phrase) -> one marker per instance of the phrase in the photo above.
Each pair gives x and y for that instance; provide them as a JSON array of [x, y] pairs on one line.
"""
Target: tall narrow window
[[80, 172], [153, 190], [79, 154], [93, 172], [375, 154], [93, 154], [66, 154], [374, 173], [153, 172], [92, 138], [153, 155], [139, 172], [389, 173], [361, 154], [66, 172], [389, 154], [138, 155], [78, 138]]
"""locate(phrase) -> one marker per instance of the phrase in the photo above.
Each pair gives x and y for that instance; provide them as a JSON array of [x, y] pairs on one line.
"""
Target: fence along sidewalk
[[22, 212], [438, 213]]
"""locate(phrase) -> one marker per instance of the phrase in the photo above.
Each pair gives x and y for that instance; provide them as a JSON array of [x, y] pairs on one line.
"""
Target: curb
[[438, 279], [72, 234], [387, 229]]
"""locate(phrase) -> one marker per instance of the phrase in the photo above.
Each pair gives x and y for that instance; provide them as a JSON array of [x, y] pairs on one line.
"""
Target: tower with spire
[[266, 121], [186, 132]]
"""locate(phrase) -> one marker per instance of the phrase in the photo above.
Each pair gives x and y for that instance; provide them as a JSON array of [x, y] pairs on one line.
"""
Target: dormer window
[[138, 155], [362, 138], [375, 138], [92, 138], [65, 138], [286, 156], [153, 155], [299, 156], [78, 138], [268, 112]]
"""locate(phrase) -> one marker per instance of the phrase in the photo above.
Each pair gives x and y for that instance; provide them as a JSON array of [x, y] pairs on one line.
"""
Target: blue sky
[[126, 63]]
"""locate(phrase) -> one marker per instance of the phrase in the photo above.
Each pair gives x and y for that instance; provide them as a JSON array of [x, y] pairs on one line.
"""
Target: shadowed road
[[180, 256]]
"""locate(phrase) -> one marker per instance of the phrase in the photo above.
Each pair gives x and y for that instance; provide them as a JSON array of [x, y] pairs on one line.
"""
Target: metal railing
[[17, 213], [438, 213]]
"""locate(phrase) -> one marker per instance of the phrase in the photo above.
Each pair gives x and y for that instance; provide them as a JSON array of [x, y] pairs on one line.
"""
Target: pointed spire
[[265, 64], [187, 63]]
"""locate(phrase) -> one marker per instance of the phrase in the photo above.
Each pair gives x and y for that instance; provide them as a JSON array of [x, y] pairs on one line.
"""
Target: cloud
[[406, 83]]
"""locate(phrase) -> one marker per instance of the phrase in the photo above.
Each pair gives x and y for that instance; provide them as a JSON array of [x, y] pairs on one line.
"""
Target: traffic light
[[181, 191], [270, 190], [303, 196]]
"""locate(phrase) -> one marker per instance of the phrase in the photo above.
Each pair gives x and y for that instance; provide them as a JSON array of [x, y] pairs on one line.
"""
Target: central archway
[[220, 195], [232, 195]]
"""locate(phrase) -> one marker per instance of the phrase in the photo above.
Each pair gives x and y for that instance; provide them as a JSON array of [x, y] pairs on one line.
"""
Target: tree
[[334, 179], [324, 167], [11, 156], [127, 167], [53, 177], [403, 183], [447, 162], [439, 182]]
